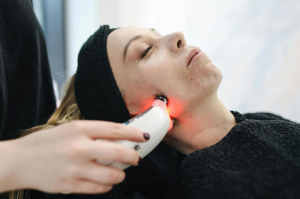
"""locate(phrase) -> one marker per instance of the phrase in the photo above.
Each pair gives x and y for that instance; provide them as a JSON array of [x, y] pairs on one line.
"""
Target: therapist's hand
[[62, 159]]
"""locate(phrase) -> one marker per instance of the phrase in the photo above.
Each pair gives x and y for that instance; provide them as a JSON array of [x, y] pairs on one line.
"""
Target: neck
[[201, 127]]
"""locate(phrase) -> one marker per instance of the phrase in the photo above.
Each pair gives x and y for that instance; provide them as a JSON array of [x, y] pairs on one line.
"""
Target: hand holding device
[[62, 159], [155, 121]]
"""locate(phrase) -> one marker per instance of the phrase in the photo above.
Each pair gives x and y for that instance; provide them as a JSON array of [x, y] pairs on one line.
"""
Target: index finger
[[111, 130]]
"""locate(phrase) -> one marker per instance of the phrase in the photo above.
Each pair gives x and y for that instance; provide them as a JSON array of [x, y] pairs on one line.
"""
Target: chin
[[214, 74], [210, 77], [209, 85]]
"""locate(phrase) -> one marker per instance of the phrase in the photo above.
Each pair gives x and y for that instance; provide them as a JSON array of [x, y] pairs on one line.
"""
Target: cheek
[[161, 73], [137, 94], [157, 76], [167, 78]]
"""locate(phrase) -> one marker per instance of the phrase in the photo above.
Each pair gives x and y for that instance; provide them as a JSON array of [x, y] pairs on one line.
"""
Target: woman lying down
[[219, 153]]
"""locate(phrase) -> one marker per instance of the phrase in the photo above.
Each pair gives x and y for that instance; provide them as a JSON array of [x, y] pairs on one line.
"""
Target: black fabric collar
[[238, 117]]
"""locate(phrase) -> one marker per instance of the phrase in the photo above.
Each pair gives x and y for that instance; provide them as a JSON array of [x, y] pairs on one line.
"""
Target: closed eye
[[146, 51]]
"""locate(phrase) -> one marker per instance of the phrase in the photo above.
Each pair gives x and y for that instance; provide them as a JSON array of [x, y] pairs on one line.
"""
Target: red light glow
[[174, 108]]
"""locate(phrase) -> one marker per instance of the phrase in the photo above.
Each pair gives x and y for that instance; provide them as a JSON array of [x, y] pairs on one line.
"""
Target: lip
[[195, 51]]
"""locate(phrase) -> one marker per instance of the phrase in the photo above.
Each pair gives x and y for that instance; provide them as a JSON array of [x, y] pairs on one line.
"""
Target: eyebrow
[[130, 42]]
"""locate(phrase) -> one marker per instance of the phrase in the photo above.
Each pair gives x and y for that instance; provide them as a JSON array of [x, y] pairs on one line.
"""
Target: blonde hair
[[67, 111]]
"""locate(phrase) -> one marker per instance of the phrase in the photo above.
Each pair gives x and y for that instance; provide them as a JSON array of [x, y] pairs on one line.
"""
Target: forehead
[[127, 33], [120, 37]]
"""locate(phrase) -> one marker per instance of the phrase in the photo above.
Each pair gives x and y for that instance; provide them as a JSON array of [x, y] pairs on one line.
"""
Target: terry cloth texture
[[97, 94], [259, 158], [26, 94]]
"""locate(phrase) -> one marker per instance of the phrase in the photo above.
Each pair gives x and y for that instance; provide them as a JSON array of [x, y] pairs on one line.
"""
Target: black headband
[[97, 94]]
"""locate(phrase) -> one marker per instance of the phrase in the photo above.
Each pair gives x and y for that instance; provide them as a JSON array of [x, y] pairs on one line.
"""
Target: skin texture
[[62, 159], [201, 119]]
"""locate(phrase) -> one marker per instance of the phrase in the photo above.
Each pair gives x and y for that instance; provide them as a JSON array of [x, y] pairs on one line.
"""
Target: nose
[[176, 41]]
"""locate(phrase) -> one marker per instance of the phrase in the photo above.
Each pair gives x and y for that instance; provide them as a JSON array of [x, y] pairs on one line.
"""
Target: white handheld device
[[155, 121]]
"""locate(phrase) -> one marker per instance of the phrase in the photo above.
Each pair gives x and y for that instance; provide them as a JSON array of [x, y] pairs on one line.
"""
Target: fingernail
[[140, 160], [147, 136]]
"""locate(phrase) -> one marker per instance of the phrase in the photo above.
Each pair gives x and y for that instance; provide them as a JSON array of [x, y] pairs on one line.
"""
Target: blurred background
[[256, 44]]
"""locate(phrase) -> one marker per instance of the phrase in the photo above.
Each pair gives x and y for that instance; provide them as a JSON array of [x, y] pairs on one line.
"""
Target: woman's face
[[146, 64]]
